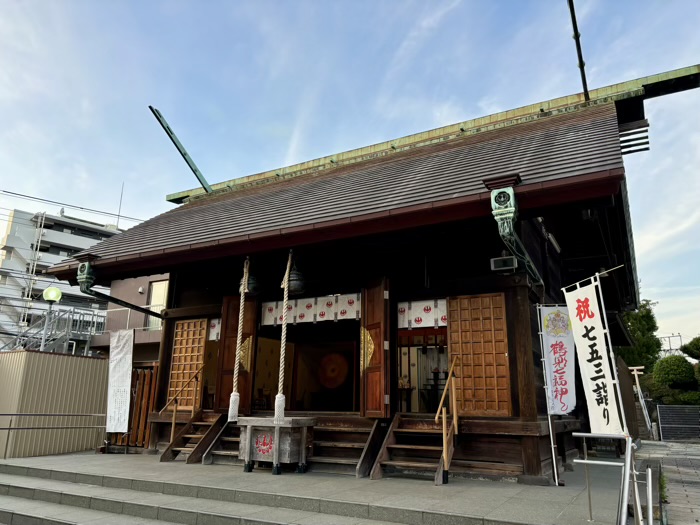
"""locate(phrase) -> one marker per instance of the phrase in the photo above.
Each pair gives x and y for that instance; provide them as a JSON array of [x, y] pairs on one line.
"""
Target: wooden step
[[203, 423], [417, 431], [338, 444], [226, 439], [233, 453], [193, 436], [186, 450], [342, 429], [410, 465], [416, 447], [340, 461], [487, 465]]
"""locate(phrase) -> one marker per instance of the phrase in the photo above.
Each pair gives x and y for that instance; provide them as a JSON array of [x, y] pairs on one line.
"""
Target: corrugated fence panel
[[60, 384], [11, 373], [679, 422]]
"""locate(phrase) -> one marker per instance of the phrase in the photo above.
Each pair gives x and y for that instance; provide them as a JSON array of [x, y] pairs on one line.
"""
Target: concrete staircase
[[39, 496]]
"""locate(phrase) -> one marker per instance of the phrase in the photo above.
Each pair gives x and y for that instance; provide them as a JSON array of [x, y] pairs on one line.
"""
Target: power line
[[90, 210]]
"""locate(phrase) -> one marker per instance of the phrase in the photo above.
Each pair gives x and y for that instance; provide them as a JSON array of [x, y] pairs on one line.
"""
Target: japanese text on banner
[[594, 360], [558, 354]]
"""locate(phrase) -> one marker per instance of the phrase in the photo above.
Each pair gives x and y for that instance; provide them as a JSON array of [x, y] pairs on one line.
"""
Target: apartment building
[[32, 243]]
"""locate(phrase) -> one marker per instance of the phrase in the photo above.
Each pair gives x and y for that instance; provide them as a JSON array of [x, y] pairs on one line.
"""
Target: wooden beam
[[515, 427], [192, 311]]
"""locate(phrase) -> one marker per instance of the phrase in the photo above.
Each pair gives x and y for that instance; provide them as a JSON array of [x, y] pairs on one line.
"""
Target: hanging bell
[[296, 282], [252, 285]]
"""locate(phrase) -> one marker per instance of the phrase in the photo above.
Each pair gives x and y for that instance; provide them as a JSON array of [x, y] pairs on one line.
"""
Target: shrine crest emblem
[[557, 324], [263, 443]]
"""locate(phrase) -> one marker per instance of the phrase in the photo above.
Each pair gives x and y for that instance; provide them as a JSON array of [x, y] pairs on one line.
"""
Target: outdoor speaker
[[504, 264]]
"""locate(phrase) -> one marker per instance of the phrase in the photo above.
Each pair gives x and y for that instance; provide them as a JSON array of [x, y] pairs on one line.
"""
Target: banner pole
[[604, 272], [555, 467], [611, 354]]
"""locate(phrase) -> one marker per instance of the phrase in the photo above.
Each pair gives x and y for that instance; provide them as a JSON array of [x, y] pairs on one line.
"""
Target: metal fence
[[678, 423]]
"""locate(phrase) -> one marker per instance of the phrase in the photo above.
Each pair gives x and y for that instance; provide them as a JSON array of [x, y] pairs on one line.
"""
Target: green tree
[[675, 371], [692, 349], [641, 324]]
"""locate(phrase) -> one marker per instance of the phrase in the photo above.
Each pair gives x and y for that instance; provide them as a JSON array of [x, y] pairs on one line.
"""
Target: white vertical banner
[[558, 357], [121, 350], [594, 354]]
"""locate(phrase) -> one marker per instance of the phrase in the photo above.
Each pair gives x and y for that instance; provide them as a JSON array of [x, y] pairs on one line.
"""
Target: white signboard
[[121, 349], [558, 353], [594, 359]]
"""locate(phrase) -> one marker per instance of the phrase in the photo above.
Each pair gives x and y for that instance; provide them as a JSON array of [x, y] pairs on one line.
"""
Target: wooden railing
[[449, 429], [176, 395]]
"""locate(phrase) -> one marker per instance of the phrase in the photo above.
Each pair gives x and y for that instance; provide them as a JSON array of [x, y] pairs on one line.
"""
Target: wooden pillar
[[518, 304]]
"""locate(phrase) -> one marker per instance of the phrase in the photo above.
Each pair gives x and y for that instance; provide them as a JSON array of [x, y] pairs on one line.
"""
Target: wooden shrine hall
[[411, 336]]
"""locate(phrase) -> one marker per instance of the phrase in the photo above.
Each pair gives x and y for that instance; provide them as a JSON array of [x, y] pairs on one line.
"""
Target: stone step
[[49, 499], [21, 510]]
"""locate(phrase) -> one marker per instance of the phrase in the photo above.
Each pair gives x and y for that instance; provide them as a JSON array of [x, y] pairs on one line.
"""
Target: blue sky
[[254, 85]]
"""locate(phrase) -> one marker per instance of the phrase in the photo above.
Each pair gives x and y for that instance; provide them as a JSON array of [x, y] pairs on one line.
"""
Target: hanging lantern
[[296, 282]]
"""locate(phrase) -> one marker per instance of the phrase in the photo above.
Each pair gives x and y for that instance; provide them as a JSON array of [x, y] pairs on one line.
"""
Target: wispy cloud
[[428, 22]]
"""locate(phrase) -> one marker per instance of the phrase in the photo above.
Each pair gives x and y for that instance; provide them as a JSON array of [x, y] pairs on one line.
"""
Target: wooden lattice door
[[188, 357], [478, 336]]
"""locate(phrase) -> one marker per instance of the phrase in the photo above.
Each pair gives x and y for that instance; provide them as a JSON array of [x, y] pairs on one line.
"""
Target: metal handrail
[[62, 427], [153, 307], [53, 415], [448, 433], [628, 470]]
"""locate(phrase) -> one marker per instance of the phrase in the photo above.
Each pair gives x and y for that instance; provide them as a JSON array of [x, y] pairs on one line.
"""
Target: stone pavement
[[468, 501], [681, 468]]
